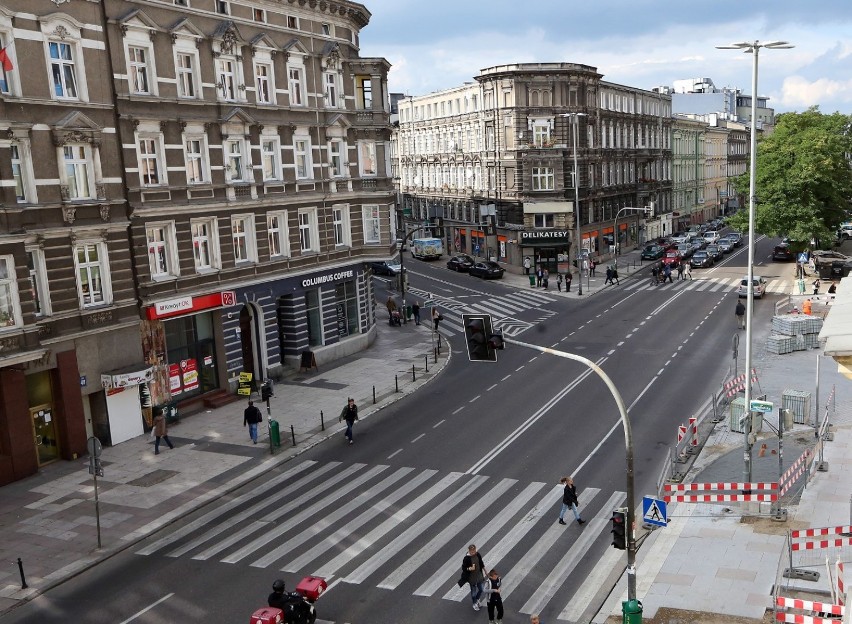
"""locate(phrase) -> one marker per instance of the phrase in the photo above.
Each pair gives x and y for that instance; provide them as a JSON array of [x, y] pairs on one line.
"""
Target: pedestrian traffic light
[[619, 529], [482, 341], [266, 391]]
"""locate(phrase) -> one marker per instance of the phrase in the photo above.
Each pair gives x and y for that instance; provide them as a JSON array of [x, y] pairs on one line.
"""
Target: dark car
[[487, 270], [685, 250], [726, 245], [461, 263], [782, 251], [736, 238], [715, 251], [653, 252], [386, 268], [701, 259]]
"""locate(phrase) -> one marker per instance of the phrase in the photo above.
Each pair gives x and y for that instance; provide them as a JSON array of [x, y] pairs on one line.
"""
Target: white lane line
[[397, 452], [474, 398], [621, 343], [506, 377], [610, 352], [491, 388], [519, 369], [458, 410], [417, 438], [148, 608], [438, 424], [630, 335]]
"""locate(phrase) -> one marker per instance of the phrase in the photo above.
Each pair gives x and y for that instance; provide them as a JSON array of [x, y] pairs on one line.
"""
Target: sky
[[438, 44]]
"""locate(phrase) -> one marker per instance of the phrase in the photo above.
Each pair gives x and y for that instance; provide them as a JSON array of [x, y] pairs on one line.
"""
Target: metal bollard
[[374, 395], [436, 354], [396, 382], [426, 357], [322, 421], [293, 434], [21, 570], [413, 376]]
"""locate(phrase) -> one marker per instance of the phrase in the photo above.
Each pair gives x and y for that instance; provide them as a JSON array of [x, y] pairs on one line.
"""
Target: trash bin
[[631, 611], [408, 312], [274, 433], [532, 279]]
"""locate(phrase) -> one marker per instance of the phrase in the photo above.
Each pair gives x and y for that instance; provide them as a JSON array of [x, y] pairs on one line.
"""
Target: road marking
[[394, 453], [519, 368], [491, 388], [148, 608], [438, 424], [621, 343], [474, 398], [417, 438], [611, 351], [458, 410], [506, 377]]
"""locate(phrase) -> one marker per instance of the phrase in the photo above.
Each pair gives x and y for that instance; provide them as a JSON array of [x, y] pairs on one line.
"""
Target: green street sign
[[761, 406]]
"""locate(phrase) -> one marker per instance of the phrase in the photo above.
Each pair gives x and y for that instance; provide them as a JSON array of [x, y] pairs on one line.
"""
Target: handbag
[[440, 317]]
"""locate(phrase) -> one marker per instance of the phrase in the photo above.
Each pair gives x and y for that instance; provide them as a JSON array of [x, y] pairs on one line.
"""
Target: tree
[[804, 179]]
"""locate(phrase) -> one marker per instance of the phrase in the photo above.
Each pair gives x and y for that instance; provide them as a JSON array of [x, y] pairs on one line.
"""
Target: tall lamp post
[[615, 237], [751, 47], [577, 240]]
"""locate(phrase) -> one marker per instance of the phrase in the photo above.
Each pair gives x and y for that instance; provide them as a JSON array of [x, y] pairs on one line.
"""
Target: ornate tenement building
[[229, 159], [506, 142]]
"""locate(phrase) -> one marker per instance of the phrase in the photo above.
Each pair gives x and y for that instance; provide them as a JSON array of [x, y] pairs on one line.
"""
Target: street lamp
[[751, 47], [615, 237], [577, 240]]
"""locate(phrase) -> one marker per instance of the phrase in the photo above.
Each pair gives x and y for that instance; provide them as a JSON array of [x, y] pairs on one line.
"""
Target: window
[[295, 78], [92, 274], [342, 231], [330, 90], [242, 235], [270, 155], [326, 30], [259, 15], [205, 244], [20, 173], [336, 151], [185, 69], [162, 250], [367, 158], [137, 66], [223, 7], [279, 234], [38, 282], [62, 70], [346, 300], [364, 93], [313, 311], [5, 78], [372, 231], [10, 311], [77, 182], [235, 170], [541, 135], [263, 79], [293, 22], [308, 231], [195, 153], [302, 154], [542, 179], [227, 80], [151, 168], [543, 220], [183, 3]]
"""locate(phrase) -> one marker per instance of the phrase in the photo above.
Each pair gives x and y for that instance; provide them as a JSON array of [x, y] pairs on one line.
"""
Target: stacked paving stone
[[794, 332]]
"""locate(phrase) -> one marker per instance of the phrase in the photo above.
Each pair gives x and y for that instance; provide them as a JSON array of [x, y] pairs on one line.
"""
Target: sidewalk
[[48, 520]]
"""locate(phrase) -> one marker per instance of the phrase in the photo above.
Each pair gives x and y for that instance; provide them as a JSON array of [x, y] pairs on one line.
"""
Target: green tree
[[803, 180]]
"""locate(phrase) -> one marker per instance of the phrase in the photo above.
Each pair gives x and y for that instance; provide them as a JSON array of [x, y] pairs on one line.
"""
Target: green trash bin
[[274, 433], [408, 312], [631, 611], [532, 279]]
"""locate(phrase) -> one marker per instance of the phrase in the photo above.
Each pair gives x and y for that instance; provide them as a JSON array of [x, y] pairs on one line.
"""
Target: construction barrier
[[796, 470], [823, 611], [759, 492], [737, 384]]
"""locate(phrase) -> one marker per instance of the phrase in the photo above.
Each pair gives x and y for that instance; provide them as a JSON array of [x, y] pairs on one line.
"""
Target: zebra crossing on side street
[[302, 522], [705, 284]]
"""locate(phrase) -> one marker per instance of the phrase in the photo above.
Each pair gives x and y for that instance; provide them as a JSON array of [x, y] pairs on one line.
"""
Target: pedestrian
[[688, 271], [350, 415], [655, 272], [534, 619], [615, 276], [495, 601], [667, 273], [415, 310], [832, 289], [437, 317], [252, 417], [473, 573], [569, 500], [592, 266], [568, 277], [539, 275], [680, 268], [608, 279], [559, 281], [807, 307], [545, 278], [161, 431], [740, 314], [527, 265], [391, 306], [816, 286]]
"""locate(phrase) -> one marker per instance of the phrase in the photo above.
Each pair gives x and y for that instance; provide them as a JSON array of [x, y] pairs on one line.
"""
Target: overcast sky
[[438, 44]]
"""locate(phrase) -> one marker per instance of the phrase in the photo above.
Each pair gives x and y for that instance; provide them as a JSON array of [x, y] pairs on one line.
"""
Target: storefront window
[[191, 355], [314, 316], [346, 300]]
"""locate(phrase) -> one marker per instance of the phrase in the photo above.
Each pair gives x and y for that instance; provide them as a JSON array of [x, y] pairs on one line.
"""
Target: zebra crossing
[[504, 309], [384, 528], [704, 284]]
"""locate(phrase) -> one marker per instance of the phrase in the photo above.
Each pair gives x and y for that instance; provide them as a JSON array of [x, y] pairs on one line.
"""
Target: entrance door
[[247, 341], [44, 430]]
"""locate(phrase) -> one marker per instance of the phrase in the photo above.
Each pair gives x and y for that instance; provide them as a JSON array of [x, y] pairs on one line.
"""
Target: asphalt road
[[474, 456]]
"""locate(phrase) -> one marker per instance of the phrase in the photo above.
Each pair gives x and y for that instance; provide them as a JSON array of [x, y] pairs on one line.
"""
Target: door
[[247, 341], [44, 431]]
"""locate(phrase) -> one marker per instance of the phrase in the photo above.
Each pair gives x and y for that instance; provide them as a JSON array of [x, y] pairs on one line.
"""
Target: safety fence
[[730, 492]]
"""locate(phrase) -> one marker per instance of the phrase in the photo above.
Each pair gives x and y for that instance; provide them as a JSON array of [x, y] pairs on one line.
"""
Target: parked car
[[652, 252], [461, 263], [759, 287], [701, 260], [845, 231], [386, 268], [672, 258], [782, 251], [726, 245], [487, 270], [715, 251], [686, 250]]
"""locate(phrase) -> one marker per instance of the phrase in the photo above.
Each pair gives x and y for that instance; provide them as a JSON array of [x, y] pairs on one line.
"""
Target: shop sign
[[244, 388], [186, 305], [189, 369], [174, 379], [328, 278], [132, 378], [545, 237]]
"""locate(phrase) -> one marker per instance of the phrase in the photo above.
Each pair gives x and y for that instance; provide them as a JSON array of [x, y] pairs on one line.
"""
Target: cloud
[[797, 91]]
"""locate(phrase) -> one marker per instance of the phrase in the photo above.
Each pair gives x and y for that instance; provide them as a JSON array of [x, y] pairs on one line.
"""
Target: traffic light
[[482, 341], [266, 391], [619, 529]]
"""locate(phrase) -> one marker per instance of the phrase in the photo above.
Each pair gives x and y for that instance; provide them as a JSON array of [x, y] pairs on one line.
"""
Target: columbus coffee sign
[[545, 238]]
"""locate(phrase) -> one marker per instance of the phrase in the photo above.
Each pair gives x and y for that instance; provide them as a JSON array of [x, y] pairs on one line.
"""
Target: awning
[[128, 376]]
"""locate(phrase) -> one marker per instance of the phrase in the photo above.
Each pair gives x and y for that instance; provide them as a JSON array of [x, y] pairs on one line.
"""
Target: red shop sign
[[190, 305]]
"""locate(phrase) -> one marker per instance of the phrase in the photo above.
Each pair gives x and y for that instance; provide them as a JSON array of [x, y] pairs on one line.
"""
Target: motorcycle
[[298, 606]]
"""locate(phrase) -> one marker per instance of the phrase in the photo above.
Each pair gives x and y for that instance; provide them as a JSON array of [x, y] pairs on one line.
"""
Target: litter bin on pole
[[532, 280], [631, 611], [408, 313], [274, 433]]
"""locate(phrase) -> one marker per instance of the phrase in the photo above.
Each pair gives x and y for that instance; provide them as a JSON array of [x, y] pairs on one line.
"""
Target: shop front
[[127, 398], [548, 248], [478, 243]]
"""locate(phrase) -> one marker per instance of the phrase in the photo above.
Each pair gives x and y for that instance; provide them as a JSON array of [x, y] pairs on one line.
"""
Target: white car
[[712, 237], [758, 289]]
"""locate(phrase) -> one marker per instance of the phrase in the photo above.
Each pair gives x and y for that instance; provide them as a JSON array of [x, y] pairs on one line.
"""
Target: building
[[689, 170], [68, 306], [502, 150]]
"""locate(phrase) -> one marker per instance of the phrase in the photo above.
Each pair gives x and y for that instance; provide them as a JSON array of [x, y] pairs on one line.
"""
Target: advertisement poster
[[174, 379], [190, 374]]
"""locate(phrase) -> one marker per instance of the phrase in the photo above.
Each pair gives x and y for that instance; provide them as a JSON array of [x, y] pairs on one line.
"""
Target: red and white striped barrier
[[794, 472], [693, 425], [760, 496], [818, 532], [803, 619], [840, 584], [681, 433], [820, 544], [737, 384], [809, 605]]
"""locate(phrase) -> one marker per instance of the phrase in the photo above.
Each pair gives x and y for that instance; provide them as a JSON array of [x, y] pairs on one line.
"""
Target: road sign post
[[654, 511]]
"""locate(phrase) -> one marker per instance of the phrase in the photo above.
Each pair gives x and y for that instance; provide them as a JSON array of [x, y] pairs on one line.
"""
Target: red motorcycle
[[294, 607]]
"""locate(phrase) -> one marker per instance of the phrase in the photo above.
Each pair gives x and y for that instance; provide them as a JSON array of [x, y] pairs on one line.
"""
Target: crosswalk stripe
[[350, 527], [451, 566], [269, 533], [361, 573], [570, 559], [591, 587], [330, 520], [220, 511], [452, 530], [329, 569], [503, 307], [543, 545], [530, 297], [510, 540], [484, 308]]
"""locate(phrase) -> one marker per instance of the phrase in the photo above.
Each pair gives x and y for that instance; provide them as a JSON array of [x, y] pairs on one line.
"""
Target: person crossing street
[[350, 415]]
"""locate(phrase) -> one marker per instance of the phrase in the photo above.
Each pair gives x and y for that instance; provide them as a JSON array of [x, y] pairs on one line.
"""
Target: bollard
[[21, 570], [293, 434], [322, 421], [436, 355], [374, 395], [396, 382], [413, 376], [426, 357]]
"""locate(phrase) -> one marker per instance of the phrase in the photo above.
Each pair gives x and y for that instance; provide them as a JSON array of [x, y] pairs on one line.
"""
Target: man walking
[[252, 417], [569, 501], [415, 310], [740, 314], [350, 415], [161, 431], [473, 573], [608, 279], [680, 268], [527, 265], [568, 277]]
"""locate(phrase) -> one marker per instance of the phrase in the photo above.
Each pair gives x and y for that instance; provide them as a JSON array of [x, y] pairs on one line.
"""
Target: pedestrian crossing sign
[[654, 511]]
